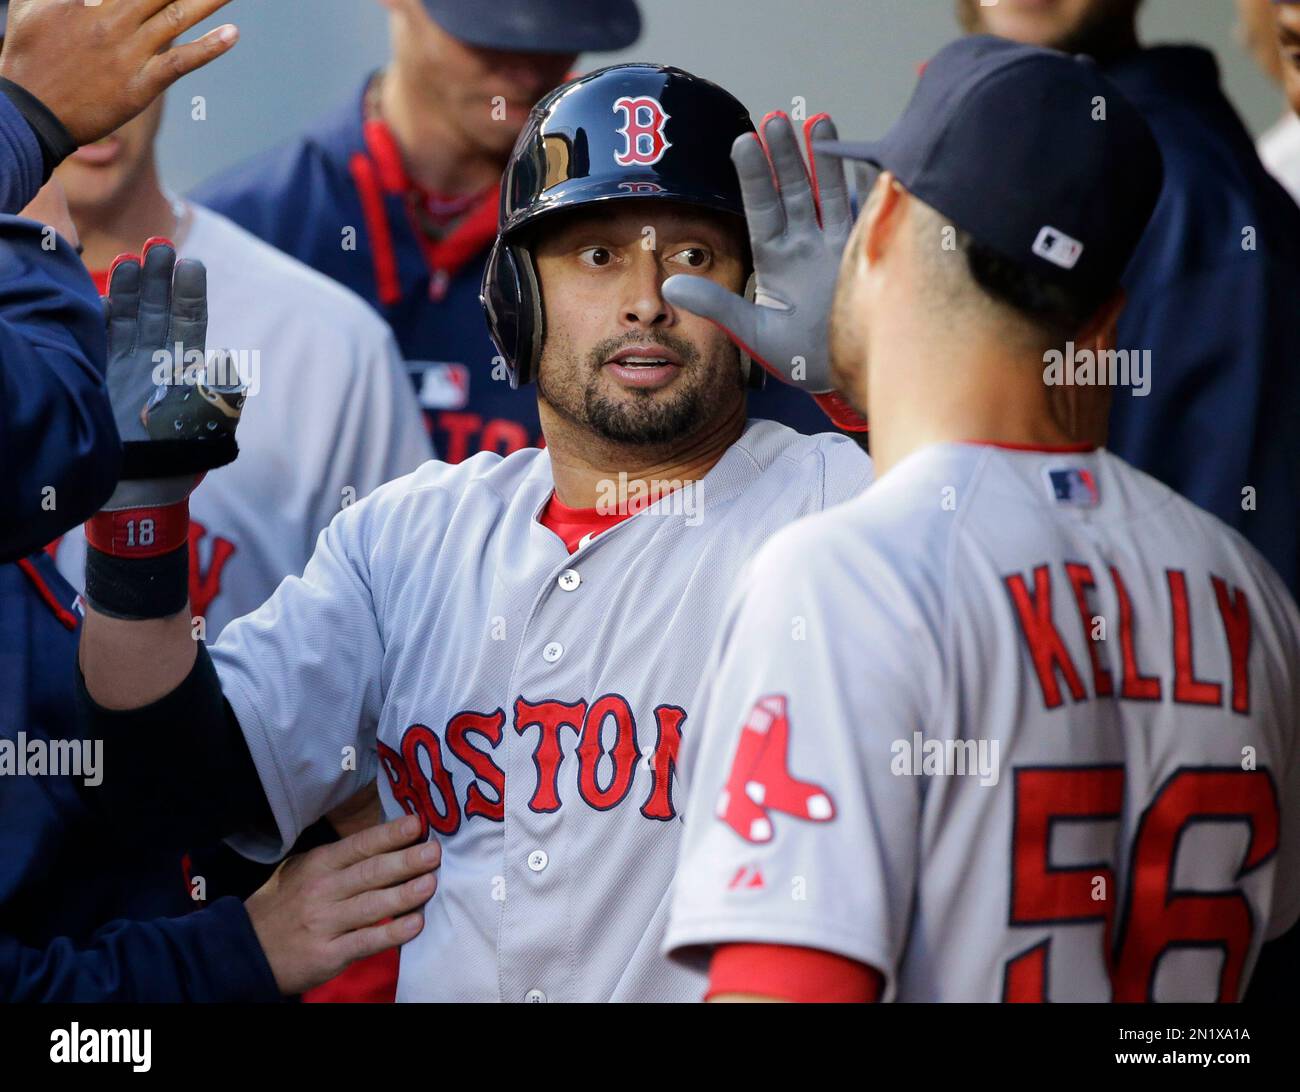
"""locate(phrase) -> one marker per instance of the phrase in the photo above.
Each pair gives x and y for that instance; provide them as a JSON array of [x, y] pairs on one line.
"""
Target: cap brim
[[531, 26], [868, 151]]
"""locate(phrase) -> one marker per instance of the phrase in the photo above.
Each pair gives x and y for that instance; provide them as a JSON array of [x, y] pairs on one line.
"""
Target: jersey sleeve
[[796, 830], [302, 674]]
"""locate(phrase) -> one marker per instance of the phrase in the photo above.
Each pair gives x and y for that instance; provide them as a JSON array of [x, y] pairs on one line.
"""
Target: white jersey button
[[535, 997], [537, 860], [569, 580], [552, 652]]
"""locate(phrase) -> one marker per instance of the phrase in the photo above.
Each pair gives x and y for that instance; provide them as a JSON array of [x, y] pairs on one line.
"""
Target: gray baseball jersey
[[526, 703], [1011, 725]]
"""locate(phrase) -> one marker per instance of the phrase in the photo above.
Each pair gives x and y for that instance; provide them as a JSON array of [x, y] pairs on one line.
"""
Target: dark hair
[[1057, 309]]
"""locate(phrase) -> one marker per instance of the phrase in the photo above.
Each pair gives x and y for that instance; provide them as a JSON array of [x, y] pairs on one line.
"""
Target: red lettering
[[1046, 894], [623, 754], [417, 738], [1025, 978], [548, 717], [1235, 612], [206, 586], [487, 725], [399, 782], [1187, 687], [1159, 917], [1081, 580], [668, 719], [1046, 648], [1041, 891], [1136, 687]]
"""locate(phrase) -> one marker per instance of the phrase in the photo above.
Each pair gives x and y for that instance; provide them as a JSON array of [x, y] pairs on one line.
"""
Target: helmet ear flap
[[512, 302]]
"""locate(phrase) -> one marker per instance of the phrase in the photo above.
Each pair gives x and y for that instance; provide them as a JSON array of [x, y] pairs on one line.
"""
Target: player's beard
[[640, 418]]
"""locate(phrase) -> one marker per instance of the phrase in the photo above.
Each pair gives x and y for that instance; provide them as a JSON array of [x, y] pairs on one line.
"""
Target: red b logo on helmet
[[643, 131]]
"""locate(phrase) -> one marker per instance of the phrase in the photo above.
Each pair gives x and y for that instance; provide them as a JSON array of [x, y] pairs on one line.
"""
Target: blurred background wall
[[855, 58]]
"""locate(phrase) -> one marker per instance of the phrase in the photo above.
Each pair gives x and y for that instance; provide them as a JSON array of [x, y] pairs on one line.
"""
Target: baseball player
[[1018, 723], [395, 195], [510, 644]]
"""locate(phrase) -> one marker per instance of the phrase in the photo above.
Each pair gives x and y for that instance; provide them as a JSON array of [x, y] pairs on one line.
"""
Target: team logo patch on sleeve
[[760, 780], [1074, 486]]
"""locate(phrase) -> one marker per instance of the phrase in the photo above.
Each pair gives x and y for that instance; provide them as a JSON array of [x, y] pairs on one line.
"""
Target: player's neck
[[959, 392], [122, 227], [435, 153], [587, 469]]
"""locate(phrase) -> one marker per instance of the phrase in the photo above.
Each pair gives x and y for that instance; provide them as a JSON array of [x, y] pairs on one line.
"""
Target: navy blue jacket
[[1222, 319], [59, 449], [305, 195], [62, 875]]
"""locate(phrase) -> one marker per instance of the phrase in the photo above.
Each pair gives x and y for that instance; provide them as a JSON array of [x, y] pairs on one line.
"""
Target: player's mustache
[[687, 353]]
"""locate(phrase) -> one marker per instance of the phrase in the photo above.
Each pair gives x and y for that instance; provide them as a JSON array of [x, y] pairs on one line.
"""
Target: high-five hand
[[798, 227]]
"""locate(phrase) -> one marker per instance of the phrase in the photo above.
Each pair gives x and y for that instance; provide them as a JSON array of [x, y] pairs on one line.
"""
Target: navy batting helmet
[[627, 131]]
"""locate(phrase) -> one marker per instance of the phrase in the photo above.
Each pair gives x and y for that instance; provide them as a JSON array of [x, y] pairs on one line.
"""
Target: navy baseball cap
[[1033, 152], [540, 26]]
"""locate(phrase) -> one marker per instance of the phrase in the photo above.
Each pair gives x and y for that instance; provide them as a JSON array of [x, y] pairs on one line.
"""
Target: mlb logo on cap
[[1075, 486], [1057, 247]]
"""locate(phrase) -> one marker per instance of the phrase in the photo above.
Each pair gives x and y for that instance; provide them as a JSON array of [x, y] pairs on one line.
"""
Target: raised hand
[[798, 227]]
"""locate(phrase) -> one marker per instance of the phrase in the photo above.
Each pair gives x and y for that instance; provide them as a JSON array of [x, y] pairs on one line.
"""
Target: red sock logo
[[760, 780]]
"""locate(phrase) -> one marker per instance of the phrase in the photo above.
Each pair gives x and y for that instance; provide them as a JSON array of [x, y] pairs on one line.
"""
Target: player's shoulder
[[1216, 546], [1147, 500], [485, 482], [830, 459], [894, 535], [238, 261]]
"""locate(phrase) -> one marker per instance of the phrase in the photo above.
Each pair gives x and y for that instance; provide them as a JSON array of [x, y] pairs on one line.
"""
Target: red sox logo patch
[[642, 130], [760, 780]]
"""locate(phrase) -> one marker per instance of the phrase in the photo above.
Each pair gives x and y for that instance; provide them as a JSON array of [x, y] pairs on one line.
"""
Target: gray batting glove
[[176, 412], [798, 227]]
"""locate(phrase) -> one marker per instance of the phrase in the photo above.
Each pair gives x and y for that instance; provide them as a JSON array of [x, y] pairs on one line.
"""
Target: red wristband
[[140, 532]]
